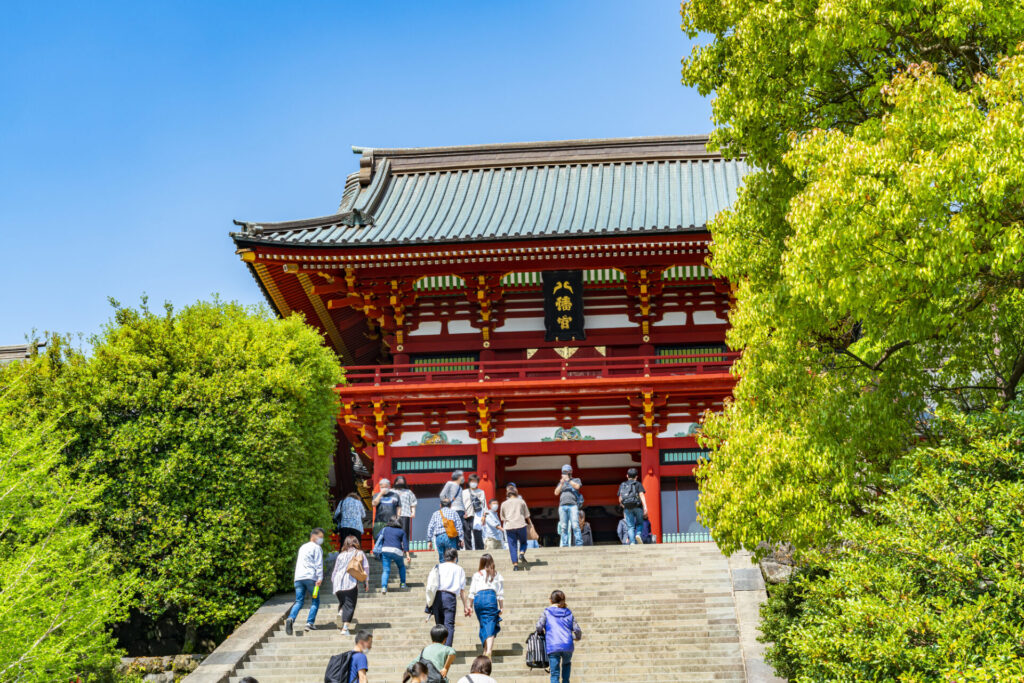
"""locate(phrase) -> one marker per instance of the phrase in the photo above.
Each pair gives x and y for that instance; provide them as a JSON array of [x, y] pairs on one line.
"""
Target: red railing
[[505, 370]]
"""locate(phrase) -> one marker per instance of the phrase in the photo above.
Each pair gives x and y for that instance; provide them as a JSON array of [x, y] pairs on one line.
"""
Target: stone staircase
[[648, 613]]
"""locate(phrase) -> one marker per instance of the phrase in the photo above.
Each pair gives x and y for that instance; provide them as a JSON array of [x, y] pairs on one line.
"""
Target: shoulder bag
[[531, 533], [355, 567]]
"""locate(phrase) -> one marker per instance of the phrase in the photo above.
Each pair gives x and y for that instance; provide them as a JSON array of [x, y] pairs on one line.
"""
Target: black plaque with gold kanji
[[563, 305]]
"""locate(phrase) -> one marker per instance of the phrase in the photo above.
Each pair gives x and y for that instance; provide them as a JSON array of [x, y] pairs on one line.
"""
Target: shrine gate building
[[507, 309]]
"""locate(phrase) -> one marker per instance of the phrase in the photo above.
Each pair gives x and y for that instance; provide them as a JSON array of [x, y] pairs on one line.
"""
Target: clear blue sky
[[132, 133]]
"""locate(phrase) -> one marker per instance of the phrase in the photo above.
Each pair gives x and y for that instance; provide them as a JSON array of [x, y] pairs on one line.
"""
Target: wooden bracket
[[485, 290], [644, 285]]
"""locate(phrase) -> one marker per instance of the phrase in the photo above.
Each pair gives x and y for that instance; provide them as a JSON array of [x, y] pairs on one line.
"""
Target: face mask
[[495, 507], [472, 484], [319, 541]]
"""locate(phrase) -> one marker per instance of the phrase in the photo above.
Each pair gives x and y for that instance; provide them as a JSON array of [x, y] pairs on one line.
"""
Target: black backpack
[[339, 669], [433, 675], [631, 500], [536, 652]]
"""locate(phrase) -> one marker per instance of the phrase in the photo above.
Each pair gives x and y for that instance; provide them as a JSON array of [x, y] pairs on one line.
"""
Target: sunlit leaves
[[876, 257], [59, 589], [930, 585]]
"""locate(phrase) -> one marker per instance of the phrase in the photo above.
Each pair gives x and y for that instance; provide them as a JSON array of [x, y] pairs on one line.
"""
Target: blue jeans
[[387, 559], [516, 542], [442, 543], [301, 589], [569, 518], [634, 522], [560, 661]]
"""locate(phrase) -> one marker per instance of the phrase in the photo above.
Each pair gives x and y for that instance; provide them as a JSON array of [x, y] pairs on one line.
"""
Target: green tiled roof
[[531, 190]]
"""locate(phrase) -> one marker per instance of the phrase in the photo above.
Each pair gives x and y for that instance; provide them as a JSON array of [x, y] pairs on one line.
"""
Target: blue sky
[[131, 134]]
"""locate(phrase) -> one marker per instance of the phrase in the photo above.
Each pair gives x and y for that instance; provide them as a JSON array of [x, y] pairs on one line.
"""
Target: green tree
[[59, 591], [214, 427], [210, 433], [930, 585], [875, 251]]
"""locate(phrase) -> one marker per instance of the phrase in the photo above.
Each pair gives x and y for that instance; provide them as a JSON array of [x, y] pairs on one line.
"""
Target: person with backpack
[[475, 503], [487, 593], [351, 666], [309, 574], [445, 528], [448, 580], [438, 657], [569, 501], [391, 547], [350, 569], [560, 630], [479, 671], [350, 516], [515, 517], [386, 505], [633, 500], [452, 490]]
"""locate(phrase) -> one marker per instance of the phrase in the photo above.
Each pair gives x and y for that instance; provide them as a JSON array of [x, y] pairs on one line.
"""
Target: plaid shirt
[[436, 526]]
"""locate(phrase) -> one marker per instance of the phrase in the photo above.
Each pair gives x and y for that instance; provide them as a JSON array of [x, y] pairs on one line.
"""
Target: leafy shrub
[[208, 433], [929, 586]]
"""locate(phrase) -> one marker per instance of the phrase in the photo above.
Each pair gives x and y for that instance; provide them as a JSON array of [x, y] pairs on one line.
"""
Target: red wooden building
[[429, 283]]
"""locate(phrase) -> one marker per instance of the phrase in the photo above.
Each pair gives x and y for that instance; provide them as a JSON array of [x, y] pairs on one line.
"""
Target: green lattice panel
[[434, 363], [684, 456], [702, 354], [424, 465]]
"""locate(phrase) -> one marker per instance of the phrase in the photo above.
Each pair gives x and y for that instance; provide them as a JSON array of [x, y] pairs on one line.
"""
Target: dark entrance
[[603, 520]]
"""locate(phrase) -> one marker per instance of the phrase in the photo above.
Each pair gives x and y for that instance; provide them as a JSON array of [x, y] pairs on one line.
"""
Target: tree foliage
[[930, 585], [58, 586], [209, 432], [875, 252]]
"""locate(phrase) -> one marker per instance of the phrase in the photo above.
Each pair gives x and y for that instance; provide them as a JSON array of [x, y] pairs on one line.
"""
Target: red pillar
[[650, 477], [381, 465], [487, 469]]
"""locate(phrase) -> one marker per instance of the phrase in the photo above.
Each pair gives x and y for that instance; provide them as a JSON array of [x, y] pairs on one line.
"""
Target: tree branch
[[1010, 385]]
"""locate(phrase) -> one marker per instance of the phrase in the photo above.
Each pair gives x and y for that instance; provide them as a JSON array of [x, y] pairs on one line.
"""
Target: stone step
[[504, 648], [539, 676], [653, 614], [580, 666]]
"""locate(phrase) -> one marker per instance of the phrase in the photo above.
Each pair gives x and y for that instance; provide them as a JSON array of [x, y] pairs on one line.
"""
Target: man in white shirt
[[451, 582], [309, 574]]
